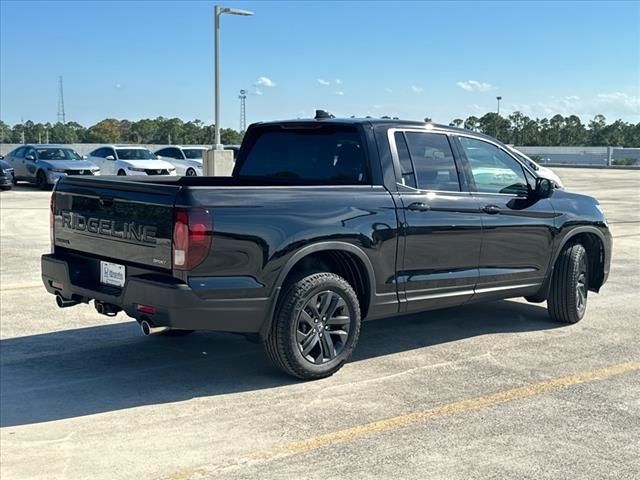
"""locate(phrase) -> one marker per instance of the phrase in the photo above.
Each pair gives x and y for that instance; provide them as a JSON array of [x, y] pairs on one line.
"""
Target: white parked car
[[129, 160], [541, 171], [187, 160]]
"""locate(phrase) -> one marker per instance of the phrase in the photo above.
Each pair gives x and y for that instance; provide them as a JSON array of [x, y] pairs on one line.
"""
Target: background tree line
[[517, 129], [154, 131]]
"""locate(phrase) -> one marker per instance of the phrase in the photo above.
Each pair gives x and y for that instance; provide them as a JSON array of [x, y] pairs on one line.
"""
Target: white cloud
[[475, 86], [388, 90], [257, 92], [612, 105], [264, 82], [324, 82], [339, 92], [338, 81], [620, 99], [416, 89]]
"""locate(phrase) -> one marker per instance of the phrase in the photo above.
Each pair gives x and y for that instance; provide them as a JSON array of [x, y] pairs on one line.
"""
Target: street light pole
[[216, 68], [218, 11], [498, 98]]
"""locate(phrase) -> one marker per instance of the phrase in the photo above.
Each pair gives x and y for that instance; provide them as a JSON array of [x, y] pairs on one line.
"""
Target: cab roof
[[377, 122]]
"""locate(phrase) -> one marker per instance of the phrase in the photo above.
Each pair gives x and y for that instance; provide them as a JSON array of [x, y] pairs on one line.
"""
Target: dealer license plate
[[112, 274]]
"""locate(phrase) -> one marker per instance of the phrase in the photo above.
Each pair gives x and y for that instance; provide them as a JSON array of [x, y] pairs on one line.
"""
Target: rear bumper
[[177, 305]]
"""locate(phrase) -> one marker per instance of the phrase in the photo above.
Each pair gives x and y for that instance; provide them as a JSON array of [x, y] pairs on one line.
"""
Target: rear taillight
[[52, 221], [192, 233]]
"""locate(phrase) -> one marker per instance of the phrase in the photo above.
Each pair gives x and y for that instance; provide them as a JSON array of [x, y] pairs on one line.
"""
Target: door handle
[[419, 207], [491, 209]]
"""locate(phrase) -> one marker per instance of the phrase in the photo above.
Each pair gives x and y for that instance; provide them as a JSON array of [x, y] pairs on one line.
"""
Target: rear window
[[331, 155]]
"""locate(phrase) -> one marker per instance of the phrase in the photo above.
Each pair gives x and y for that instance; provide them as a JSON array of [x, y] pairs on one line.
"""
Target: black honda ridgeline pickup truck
[[325, 223]]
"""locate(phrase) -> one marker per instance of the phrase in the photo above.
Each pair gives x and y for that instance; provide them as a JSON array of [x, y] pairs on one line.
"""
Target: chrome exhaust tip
[[63, 302], [148, 329]]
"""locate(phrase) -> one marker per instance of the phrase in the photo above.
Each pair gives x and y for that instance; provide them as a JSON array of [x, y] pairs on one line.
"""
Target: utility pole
[[61, 114], [498, 98], [243, 110]]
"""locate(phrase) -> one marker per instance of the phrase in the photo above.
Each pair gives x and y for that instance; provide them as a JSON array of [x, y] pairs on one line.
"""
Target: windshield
[[57, 154], [135, 154], [193, 153], [321, 155]]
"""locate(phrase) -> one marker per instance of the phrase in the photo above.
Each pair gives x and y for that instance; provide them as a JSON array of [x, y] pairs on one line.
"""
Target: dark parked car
[[6, 175], [325, 223], [44, 165]]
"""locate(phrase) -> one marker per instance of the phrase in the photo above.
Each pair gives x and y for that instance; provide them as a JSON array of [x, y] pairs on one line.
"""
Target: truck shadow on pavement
[[85, 371]]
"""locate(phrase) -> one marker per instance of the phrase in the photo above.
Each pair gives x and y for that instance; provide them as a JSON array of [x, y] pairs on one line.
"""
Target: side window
[[32, 152], [408, 176], [110, 152], [177, 154], [435, 168], [20, 152], [493, 170], [163, 152], [98, 153]]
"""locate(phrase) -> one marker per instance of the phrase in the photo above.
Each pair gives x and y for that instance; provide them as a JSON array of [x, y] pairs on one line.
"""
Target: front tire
[[122, 173], [567, 301], [316, 326], [191, 172], [41, 180]]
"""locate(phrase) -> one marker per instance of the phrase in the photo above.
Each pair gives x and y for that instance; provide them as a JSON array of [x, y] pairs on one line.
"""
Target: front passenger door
[[441, 229], [517, 228], [30, 166]]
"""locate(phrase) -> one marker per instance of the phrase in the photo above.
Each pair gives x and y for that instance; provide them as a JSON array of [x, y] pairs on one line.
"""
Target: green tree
[[5, 133], [493, 124], [596, 130], [472, 123], [106, 131], [228, 136]]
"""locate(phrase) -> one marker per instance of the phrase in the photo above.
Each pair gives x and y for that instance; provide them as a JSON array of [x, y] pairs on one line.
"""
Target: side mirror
[[1, 157], [84, 157], [110, 157], [29, 157], [544, 188]]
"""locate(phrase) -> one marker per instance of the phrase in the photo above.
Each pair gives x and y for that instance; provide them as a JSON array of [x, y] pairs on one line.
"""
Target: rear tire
[[316, 326], [567, 301]]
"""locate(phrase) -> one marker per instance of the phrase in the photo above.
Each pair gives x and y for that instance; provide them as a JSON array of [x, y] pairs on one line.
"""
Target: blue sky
[[444, 60]]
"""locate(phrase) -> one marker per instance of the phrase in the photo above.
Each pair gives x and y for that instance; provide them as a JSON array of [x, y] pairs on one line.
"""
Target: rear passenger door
[[441, 232], [17, 162], [517, 229]]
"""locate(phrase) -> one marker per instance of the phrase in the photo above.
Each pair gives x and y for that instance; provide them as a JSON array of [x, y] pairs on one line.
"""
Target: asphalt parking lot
[[485, 391]]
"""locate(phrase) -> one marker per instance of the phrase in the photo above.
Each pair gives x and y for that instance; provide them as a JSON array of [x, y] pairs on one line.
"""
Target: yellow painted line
[[359, 431], [21, 287]]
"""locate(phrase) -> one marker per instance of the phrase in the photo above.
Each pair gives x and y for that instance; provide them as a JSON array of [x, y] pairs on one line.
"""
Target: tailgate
[[116, 219]]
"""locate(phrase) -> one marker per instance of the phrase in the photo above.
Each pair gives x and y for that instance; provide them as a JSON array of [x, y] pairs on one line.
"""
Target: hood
[[68, 164], [149, 164]]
